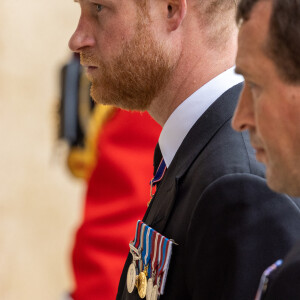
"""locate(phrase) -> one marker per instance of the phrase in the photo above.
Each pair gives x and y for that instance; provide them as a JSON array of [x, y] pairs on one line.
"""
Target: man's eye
[[98, 7], [254, 89]]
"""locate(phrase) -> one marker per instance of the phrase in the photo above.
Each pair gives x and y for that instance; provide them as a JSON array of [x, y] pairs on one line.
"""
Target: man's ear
[[176, 11]]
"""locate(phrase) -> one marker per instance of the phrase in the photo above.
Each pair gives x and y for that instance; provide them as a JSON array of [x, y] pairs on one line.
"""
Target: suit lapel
[[198, 137]]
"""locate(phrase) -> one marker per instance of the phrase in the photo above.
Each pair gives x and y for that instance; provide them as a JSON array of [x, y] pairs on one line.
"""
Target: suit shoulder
[[245, 188], [253, 226], [239, 198], [230, 152]]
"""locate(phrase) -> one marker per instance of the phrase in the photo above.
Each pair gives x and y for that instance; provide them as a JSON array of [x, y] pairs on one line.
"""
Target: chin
[[274, 181], [292, 189], [283, 183]]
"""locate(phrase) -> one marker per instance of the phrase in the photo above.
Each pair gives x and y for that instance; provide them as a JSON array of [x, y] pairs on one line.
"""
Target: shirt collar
[[189, 111]]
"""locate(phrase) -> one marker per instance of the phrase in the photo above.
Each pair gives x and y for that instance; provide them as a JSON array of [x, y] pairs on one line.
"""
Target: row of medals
[[145, 287]]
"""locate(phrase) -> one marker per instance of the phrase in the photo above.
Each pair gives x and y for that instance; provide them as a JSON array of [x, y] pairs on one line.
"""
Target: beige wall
[[39, 201]]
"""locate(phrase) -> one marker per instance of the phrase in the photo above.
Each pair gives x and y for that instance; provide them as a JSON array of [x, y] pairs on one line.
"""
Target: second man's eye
[[98, 7]]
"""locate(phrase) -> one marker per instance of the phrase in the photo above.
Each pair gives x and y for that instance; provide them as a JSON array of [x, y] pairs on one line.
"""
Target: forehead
[[253, 36]]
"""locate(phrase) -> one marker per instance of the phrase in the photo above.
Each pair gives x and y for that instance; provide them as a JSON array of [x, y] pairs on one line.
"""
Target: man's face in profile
[[269, 108], [124, 61]]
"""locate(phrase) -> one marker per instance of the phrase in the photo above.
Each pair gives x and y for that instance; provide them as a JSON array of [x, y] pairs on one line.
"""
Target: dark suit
[[284, 283], [214, 202]]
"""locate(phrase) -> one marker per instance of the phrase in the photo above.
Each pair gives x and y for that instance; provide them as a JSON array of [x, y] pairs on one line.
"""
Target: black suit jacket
[[284, 283], [214, 202]]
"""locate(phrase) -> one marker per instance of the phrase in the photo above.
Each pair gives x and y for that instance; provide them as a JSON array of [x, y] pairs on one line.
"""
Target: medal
[[155, 294], [142, 277], [132, 270], [131, 277], [155, 261], [152, 264], [149, 289], [163, 264], [151, 254], [142, 284], [146, 249]]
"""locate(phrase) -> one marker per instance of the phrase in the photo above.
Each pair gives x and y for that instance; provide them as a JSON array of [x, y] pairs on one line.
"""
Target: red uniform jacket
[[117, 196]]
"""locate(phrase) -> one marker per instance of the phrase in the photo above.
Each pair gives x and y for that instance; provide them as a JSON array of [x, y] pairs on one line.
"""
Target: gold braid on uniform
[[81, 161]]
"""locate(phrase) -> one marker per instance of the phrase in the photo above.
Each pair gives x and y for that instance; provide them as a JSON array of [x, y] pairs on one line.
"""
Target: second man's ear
[[176, 12]]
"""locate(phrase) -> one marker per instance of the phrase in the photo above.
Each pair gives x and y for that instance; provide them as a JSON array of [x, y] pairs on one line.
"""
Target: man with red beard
[[269, 108], [174, 58]]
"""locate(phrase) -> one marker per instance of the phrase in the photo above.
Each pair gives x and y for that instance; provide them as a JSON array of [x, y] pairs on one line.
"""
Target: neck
[[191, 73]]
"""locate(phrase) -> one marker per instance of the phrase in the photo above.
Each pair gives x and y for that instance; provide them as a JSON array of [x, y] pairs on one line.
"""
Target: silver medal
[[149, 289], [131, 278], [154, 294], [132, 271]]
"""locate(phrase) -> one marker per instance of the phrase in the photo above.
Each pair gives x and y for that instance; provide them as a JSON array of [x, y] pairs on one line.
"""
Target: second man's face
[[268, 108]]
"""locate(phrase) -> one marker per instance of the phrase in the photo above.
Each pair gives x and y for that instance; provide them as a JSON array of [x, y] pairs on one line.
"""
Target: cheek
[[276, 128], [111, 36], [264, 119], [291, 127], [268, 131], [109, 42], [292, 117]]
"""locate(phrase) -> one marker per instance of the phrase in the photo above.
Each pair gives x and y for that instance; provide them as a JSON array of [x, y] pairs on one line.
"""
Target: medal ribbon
[[263, 281], [136, 242], [141, 246], [147, 245], [136, 232], [163, 257], [148, 254], [154, 251], [160, 258], [158, 176], [166, 266]]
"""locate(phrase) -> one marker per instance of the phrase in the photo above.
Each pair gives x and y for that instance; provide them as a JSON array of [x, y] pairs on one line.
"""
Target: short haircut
[[217, 17], [283, 43], [213, 9]]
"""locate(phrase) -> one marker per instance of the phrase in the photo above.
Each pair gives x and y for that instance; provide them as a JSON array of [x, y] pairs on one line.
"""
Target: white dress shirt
[[190, 110]]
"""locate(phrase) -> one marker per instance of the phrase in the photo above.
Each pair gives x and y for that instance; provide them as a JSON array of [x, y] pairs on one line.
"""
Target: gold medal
[[149, 289], [154, 294], [131, 278], [142, 284]]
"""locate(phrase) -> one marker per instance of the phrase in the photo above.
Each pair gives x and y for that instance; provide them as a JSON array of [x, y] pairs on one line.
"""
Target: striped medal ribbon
[[142, 277], [156, 237], [151, 253], [157, 178], [166, 265]]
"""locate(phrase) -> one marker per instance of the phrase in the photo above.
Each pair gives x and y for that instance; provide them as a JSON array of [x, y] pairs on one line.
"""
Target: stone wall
[[40, 203]]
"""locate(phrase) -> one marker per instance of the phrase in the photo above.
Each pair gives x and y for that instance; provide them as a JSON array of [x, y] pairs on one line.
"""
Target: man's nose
[[82, 37], [243, 117]]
